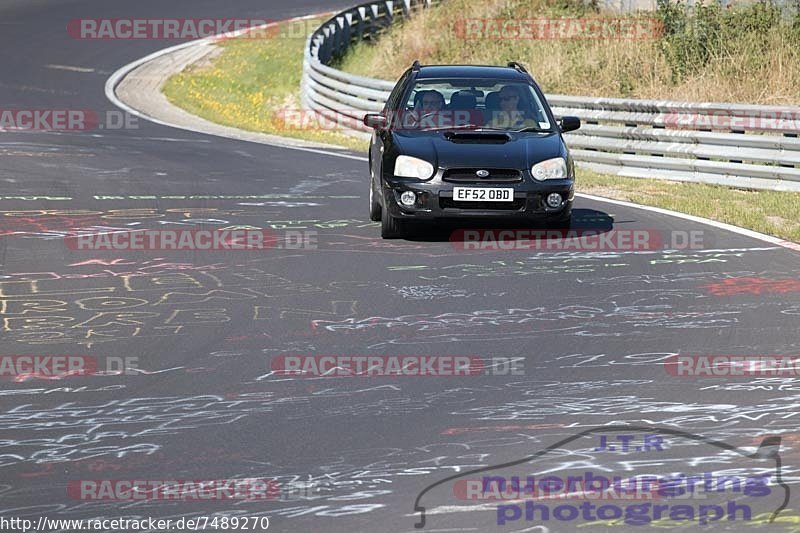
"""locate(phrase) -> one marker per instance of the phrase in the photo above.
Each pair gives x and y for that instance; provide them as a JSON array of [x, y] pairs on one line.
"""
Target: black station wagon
[[461, 141]]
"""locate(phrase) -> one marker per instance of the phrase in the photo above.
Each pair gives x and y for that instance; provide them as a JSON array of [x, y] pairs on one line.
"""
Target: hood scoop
[[475, 137]]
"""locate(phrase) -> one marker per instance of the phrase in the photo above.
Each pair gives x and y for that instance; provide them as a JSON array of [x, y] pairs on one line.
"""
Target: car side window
[[397, 92]]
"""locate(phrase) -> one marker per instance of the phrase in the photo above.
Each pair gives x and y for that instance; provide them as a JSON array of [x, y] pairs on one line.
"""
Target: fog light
[[554, 199], [408, 198]]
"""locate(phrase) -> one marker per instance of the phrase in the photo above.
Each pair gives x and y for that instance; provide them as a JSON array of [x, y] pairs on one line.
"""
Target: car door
[[382, 137]]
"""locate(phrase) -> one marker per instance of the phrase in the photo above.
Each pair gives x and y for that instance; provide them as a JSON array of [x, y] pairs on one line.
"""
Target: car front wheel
[[374, 205], [391, 227], [564, 221]]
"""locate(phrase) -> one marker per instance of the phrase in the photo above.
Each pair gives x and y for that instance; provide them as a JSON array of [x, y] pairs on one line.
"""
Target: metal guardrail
[[628, 6], [339, 96], [737, 145]]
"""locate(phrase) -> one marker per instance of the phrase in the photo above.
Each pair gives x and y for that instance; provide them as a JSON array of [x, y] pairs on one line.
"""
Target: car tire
[[391, 227], [562, 222], [374, 205], [565, 223]]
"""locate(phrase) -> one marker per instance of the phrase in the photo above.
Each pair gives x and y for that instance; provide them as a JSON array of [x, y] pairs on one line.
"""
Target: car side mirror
[[375, 120], [569, 124]]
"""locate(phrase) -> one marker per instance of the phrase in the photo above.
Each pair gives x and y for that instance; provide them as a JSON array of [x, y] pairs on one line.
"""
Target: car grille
[[468, 175], [516, 205]]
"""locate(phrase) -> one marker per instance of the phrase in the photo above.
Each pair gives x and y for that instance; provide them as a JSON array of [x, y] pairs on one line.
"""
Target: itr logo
[[608, 481]]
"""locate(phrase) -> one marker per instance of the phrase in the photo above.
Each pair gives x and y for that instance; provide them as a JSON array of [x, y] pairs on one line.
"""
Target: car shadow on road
[[454, 231]]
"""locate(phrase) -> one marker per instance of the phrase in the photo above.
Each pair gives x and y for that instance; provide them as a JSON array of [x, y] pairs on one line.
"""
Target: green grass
[[745, 54], [771, 212], [247, 85], [251, 78]]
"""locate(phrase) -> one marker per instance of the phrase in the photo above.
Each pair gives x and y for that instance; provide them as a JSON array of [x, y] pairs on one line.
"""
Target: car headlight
[[552, 169], [410, 167]]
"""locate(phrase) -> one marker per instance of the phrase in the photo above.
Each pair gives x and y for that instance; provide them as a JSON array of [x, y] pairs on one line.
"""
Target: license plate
[[483, 194]]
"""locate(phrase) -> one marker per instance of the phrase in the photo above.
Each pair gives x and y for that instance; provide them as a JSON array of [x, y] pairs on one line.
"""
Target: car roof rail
[[416, 66], [518, 66]]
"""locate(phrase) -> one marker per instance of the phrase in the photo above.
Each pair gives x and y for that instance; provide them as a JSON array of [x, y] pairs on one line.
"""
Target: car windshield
[[473, 104]]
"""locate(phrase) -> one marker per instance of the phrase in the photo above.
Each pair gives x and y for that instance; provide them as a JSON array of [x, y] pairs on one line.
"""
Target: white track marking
[[69, 68], [721, 225]]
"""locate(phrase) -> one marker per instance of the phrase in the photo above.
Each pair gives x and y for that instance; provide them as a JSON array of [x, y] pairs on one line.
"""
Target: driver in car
[[511, 115], [426, 105], [430, 102]]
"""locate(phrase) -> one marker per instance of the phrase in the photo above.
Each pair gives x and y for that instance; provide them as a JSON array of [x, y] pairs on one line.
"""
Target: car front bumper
[[435, 200]]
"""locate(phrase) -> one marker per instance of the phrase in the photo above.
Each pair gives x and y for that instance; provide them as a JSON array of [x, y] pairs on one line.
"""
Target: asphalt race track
[[590, 334]]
